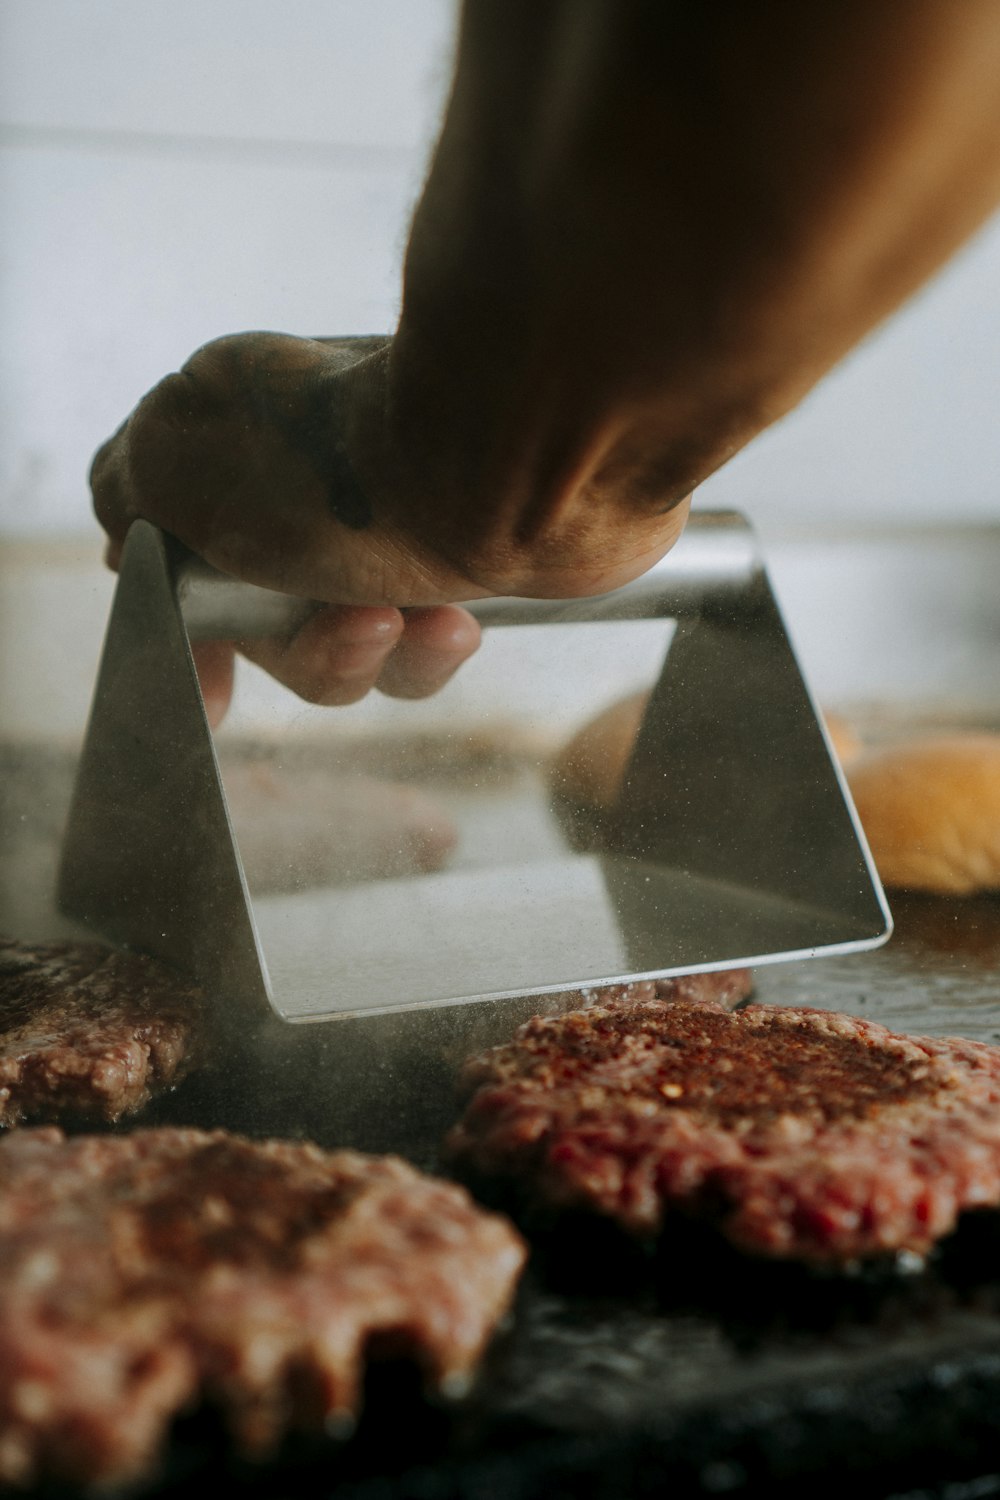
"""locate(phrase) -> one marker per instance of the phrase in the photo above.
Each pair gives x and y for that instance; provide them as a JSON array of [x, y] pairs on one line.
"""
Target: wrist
[[502, 493]]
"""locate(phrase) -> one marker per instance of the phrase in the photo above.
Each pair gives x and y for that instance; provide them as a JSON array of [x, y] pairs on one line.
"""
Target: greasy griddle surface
[[939, 974], [699, 1373]]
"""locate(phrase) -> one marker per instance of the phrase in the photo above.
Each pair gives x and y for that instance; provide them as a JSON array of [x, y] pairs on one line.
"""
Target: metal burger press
[[733, 840]]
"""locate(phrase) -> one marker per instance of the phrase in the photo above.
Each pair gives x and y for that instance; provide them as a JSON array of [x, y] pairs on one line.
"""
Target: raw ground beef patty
[[798, 1133], [87, 1033], [141, 1273]]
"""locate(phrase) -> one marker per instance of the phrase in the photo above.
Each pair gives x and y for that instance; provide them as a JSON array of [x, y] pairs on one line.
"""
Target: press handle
[[218, 607], [712, 565]]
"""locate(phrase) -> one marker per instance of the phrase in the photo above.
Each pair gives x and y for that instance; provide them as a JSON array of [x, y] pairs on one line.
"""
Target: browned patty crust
[[141, 1273], [725, 987], [88, 1033], [799, 1133]]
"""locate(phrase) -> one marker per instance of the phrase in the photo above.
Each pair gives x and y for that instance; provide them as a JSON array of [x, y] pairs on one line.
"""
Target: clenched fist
[[244, 456]]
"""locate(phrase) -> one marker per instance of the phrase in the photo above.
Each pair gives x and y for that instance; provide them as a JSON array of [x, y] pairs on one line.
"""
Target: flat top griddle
[[698, 1373]]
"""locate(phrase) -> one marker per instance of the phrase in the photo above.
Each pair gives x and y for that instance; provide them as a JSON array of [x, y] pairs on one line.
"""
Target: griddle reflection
[[760, 1305]]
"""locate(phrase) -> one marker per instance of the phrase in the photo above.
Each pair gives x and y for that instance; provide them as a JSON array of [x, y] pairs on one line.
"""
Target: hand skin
[[230, 456], [649, 228]]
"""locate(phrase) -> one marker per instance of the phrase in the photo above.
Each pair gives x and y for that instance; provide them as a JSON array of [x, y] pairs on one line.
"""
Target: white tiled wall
[[175, 169]]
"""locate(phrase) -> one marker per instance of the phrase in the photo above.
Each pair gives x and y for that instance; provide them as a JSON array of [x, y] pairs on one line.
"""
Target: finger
[[335, 657], [434, 644], [108, 494], [215, 662]]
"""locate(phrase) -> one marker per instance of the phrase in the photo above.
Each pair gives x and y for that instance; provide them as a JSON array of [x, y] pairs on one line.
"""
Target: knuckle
[[101, 463], [173, 403], [212, 363], [226, 365]]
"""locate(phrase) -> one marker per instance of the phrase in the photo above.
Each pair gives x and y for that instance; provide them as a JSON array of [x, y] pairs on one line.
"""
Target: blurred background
[[170, 172]]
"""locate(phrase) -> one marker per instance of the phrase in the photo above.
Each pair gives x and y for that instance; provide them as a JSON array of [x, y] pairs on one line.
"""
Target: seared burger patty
[[139, 1274], [726, 987], [799, 1133], [88, 1033]]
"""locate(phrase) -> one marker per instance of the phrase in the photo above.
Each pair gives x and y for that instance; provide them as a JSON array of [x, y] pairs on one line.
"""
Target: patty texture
[[726, 987], [799, 1133], [87, 1033], [142, 1274]]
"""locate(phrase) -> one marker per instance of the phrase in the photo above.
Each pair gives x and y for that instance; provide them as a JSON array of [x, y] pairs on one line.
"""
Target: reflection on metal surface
[[732, 841]]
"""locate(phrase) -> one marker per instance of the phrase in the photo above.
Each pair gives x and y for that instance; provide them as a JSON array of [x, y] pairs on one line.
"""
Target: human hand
[[342, 652], [242, 456], [647, 232]]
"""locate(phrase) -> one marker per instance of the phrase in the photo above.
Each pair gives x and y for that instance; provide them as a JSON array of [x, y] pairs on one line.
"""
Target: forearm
[[648, 230]]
